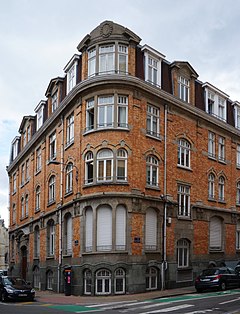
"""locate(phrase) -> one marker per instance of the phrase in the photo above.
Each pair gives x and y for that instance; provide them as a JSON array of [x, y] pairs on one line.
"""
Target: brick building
[[3, 246], [128, 172]]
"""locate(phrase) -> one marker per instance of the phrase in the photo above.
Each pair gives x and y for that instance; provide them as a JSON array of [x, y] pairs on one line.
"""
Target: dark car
[[219, 278], [3, 272], [12, 288]]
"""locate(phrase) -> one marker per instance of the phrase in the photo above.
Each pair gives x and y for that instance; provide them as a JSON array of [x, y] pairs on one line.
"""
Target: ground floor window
[[36, 278], [87, 281], [119, 278], [50, 280], [151, 278], [103, 282]]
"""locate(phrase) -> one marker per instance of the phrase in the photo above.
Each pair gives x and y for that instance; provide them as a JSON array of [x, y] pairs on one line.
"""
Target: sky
[[38, 38]]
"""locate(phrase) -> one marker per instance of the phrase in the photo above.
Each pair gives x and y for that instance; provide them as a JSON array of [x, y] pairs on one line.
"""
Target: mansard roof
[[25, 119], [182, 64], [52, 83], [108, 31]]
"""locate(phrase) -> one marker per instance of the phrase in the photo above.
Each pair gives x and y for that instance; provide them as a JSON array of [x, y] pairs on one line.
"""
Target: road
[[227, 302]]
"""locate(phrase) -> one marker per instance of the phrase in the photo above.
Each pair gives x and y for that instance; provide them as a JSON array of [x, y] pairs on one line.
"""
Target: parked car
[[3, 272], [220, 278], [12, 288]]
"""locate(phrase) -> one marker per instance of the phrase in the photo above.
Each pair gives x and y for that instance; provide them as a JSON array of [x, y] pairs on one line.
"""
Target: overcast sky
[[38, 38]]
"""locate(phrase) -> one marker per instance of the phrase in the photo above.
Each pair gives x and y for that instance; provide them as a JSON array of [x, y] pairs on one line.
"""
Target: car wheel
[[223, 286], [4, 297]]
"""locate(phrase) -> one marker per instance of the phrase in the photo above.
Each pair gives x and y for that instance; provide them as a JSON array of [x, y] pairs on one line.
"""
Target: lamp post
[[55, 162]]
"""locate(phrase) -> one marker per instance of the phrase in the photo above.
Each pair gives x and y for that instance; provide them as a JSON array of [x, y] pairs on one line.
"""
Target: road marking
[[230, 301], [113, 303], [170, 309]]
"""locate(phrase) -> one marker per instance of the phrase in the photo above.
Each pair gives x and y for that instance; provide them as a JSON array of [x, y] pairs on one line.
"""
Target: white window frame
[[49, 280], [26, 205], [40, 117], [211, 186], [184, 88], [151, 278], [38, 159], [103, 276], [38, 198], [122, 59], [51, 244], [89, 167], [238, 194], [184, 153], [37, 242], [107, 59], [54, 101], [69, 178], [90, 114], [121, 165], [221, 148], [87, 282], [238, 156], [52, 189], [105, 111], [152, 169], [122, 111], [27, 170], [238, 235], [153, 121], [211, 145], [70, 129], [92, 62], [119, 281], [14, 182], [221, 189], [183, 254], [184, 200], [52, 146], [104, 164]]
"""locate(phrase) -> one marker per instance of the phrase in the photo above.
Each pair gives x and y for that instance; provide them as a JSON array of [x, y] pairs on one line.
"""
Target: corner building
[[128, 173]]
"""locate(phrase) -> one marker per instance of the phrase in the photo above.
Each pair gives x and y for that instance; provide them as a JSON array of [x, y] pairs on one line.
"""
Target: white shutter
[[104, 229], [69, 234], [151, 229], [121, 228], [215, 233], [89, 230]]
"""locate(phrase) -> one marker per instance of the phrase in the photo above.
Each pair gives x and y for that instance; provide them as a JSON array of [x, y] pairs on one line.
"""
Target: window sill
[[213, 157], [216, 250], [112, 128], [14, 192], [51, 203], [68, 193], [184, 168], [153, 187], [222, 202], [69, 144], [50, 257], [213, 200], [187, 218], [37, 210], [222, 161], [155, 137], [67, 255], [187, 268], [93, 184], [37, 171]]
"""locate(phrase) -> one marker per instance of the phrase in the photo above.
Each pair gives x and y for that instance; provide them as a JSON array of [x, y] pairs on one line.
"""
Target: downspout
[[60, 209], [164, 261]]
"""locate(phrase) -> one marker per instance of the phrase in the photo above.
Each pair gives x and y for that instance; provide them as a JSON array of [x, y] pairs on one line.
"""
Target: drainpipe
[[60, 209], [164, 261]]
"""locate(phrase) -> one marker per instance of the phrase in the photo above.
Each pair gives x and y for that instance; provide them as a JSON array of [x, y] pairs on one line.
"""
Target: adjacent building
[[3, 246], [128, 173]]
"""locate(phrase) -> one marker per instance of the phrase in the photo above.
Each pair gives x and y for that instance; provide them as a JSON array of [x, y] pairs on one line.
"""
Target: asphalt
[[50, 297]]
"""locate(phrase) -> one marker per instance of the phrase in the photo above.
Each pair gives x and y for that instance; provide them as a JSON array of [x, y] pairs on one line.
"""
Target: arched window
[[52, 189], [67, 239], [238, 235], [69, 177], [216, 235], [104, 228], [89, 168], [36, 242], [121, 165], [211, 186], [120, 227], [50, 238], [103, 282], [184, 153], [36, 277], [105, 165], [238, 193], [87, 281], [151, 278], [26, 205], [151, 229], [119, 281], [38, 199], [152, 170], [221, 189], [89, 230], [49, 280], [183, 248]]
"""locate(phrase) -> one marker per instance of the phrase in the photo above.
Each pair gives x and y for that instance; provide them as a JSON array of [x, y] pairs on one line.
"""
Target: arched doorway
[[23, 262]]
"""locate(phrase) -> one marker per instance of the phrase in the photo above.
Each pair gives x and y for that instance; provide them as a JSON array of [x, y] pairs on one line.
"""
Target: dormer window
[[15, 147], [152, 61], [71, 70], [106, 59], [210, 108], [39, 111], [183, 88], [236, 106], [54, 102]]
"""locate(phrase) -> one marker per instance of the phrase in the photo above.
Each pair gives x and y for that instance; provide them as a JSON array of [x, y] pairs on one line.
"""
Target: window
[[14, 213], [151, 229], [92, 62], [104, 228], [238, 155], [90, 114], [71, 78], [221, 108], [38, 199], [38, 159], [36, 242], [87, 281], [26, 205], [152, 65], [221, 188], [151, 278], [215, 230], [67, 235], [52, 146], [103, 282], [237, 115], [122, 111], [221, 148], [238, 194], [238, 235], [183, 253], [27, 170], [152, 170], [69, 178], [120, 228], [153, 114], [40, 116], [119, 281], [51, 189], [184, 153], [106, 59], [211, 186], [105, 111], [183, 88], [70, 129], [122, 165], [14, 182], [122, 59], [183, 200], [28, 133], [89, 168], [104, 165], [54, 102], [50, 238], [89, 230], [23, 174], [210, 103], [49, 280], [15, 145], [24, 138], [211, 145], [36, 278], [22, 208], [152, 70]]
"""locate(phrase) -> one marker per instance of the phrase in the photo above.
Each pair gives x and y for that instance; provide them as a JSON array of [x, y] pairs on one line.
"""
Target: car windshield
[[209, 272], [13, 281]]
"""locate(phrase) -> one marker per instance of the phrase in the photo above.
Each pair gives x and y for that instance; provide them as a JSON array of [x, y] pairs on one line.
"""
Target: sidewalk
[[60, 298]]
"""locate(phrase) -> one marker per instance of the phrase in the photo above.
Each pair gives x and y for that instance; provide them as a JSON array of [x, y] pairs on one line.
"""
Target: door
[[23, 262]]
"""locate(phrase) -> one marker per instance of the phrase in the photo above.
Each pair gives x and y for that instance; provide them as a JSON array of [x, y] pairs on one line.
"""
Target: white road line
[[110, 303], [124, 305], [230, 301], [170, 309]]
